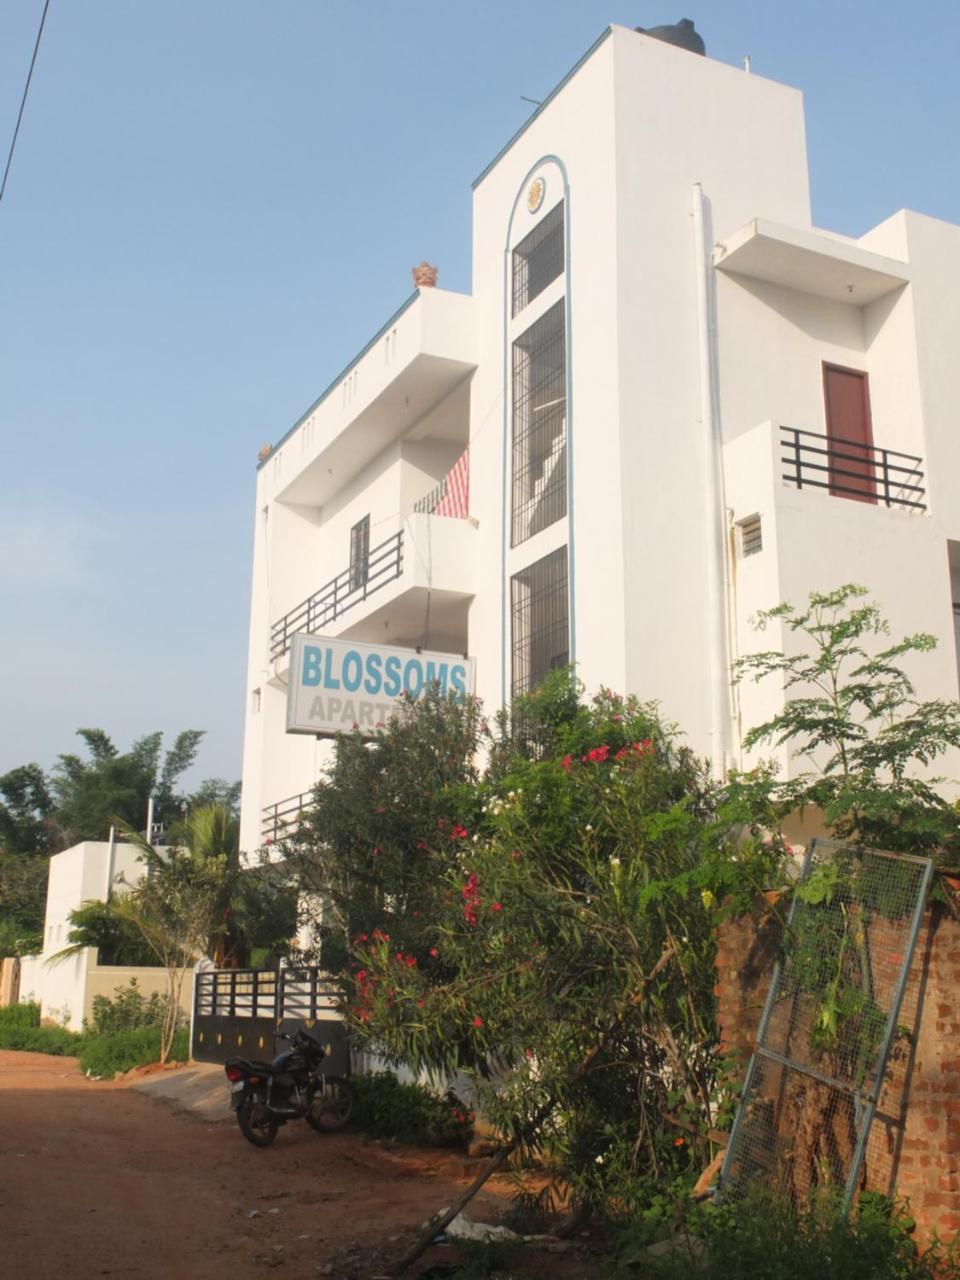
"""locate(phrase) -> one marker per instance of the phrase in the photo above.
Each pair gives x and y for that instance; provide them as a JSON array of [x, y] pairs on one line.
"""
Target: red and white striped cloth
[[454, 497]]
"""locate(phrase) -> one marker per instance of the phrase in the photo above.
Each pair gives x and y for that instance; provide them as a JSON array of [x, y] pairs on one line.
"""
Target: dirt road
[[97, 1179]]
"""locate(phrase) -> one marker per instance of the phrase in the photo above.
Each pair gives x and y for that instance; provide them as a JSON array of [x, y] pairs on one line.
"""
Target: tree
[[25, 811], [23, 897], [379, 834], [852, 712], [90, 793]]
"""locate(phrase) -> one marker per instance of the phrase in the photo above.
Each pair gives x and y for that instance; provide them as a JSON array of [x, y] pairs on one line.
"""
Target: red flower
[[478, 1021], [496, 906], [458, 833], [567, 763], [516, 855], [434, 952], [421, 1003], [679, 1142], [597, 755], [411, 962]]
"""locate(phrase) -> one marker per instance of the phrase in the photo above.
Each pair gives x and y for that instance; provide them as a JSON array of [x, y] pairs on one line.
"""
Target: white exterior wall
[[624, 140], [77, 875]]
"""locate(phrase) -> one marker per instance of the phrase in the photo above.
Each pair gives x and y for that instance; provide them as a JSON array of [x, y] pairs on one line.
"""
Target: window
[[538, 259], [540, 628], [539, 426], [359, 554]]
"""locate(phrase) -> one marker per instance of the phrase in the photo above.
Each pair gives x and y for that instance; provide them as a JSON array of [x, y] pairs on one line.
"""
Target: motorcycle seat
[[255, 1068]]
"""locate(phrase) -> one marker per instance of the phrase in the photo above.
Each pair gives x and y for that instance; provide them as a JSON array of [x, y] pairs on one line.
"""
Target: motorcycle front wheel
[[331, 1109], [256, 1123]]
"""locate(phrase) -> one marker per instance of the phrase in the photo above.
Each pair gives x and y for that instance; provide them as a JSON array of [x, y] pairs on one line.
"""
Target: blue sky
[[214, 203]]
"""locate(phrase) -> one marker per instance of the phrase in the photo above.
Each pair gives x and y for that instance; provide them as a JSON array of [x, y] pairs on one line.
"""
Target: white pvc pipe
[[714, 506]]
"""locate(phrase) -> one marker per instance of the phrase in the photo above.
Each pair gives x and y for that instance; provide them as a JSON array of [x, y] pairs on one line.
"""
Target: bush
[[766, 1239], [31, 1038], [19, 1015], [106, 1055], [129, 1010], [409, 1113]]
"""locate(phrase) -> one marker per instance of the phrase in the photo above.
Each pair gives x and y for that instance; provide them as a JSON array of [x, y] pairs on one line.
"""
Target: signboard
[[338, 685]]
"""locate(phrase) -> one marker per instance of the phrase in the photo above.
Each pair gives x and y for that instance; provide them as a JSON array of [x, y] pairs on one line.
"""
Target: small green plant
[[386, 1108], [129, 1010]]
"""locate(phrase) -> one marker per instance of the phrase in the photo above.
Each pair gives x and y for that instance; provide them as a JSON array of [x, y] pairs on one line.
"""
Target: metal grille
[[359, 554], [751, 536], [239, 1011], [539, 426], [538, 259], [851, 469], [540, 633], [824, 1040]]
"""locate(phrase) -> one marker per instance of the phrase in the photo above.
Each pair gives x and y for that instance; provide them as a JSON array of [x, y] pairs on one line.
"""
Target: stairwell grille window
[[539, 426], [359, 554], [751, 536], [540, 632], [538, 259]]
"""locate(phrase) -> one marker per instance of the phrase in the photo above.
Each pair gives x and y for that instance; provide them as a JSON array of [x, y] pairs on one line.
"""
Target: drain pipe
[[721, 746]]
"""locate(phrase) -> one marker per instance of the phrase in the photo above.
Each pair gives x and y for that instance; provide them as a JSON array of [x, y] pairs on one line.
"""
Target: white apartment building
[[674, 401]]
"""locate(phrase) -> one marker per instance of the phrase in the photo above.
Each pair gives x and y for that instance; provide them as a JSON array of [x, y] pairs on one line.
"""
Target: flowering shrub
[[410, 1113], [567, 960]]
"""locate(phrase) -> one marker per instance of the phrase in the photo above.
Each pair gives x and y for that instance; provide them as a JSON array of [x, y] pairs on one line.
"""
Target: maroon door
[[849, 433]]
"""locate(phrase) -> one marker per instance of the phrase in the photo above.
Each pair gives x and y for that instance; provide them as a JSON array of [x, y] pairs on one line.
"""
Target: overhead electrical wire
[[23, 100]]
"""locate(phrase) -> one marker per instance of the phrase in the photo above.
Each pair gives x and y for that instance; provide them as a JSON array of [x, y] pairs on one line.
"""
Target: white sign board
[[338, 685]]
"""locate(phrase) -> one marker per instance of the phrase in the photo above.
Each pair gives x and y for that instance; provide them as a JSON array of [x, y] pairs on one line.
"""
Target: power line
[[23, 100]]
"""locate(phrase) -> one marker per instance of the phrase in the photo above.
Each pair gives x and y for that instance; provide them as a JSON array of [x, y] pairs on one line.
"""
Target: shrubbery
[[409, 1113], [20, 1029], [125, 1033], [765, 1239], [105, 1055]]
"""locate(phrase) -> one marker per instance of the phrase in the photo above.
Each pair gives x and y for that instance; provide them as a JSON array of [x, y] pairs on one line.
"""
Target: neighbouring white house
[[668, 401], [65, 989]]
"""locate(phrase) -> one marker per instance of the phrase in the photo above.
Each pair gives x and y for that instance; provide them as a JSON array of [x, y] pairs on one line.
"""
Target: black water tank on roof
[[683, 34]]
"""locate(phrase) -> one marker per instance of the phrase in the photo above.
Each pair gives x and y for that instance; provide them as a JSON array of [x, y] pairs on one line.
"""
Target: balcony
[[283, 818], [348, 589], [416, 588], [849, 469]]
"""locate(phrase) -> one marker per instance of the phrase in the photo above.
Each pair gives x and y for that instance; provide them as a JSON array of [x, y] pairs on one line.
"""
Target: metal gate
[[831, 1013], [237, 1013]]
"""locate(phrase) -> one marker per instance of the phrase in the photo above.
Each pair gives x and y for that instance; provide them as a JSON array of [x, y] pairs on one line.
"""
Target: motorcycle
[[265, 1095]]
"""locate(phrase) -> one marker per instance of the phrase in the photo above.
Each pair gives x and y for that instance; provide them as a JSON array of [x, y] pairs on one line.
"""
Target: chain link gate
[[830, 1018]]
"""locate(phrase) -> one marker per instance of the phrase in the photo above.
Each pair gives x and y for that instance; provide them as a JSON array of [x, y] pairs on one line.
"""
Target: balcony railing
[[849, 469], [283, 818], [384, 563]]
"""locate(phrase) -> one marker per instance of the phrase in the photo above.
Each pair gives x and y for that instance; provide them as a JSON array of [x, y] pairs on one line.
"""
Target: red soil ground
[[97, 1179]]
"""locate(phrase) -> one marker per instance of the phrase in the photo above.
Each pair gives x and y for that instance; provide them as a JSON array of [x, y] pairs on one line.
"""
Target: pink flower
[[458, 832], [496, 906], [478, 1021], [434, 952], [567, 763]]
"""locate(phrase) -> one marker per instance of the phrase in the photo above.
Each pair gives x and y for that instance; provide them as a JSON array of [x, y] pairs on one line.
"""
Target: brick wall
[[914, 1148]]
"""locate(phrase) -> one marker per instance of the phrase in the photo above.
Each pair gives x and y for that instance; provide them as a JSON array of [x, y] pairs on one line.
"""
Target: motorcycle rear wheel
[[332, 1109], [256, 1123]]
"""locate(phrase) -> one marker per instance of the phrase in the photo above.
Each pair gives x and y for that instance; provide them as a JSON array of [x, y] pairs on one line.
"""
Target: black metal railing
[[384, 564], [849, 469], [283, 818]]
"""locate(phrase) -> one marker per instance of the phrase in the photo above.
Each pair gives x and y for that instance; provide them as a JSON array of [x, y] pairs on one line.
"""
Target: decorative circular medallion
[[538, 189]]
